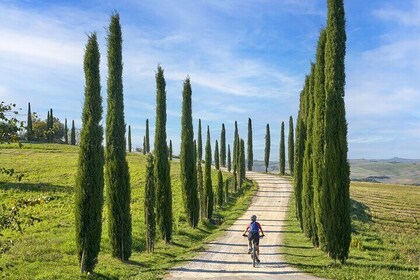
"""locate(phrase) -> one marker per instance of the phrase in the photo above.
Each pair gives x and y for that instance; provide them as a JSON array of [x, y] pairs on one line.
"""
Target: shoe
[[249, 251], [258, 260]]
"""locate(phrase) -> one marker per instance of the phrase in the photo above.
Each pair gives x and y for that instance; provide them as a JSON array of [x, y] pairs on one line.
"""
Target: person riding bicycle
[[254, 228]]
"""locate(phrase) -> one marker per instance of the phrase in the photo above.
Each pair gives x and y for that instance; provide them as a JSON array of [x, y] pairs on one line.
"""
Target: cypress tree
[[187, 160], [337, 170], [223, 146], [73, 134], [66, 135], [220, 188], [200, 186], [250, 148], [308, 210], [320, 200], [238, 177], [144, 145], [199, 142], [235, 147], [29, 124], [170, 149], [51, 126], [291, 147], [147, 137], [162, 171], [227, 191], [208, 189], [242, 160], [229, 162], [90, 174], [267, 148], [282, 159], [216, 156], [129, 138], [149, 205], [48, 132], [117, 177]]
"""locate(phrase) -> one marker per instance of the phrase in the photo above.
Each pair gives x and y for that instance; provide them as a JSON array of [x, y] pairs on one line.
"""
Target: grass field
[[46, 249], [385, 239]]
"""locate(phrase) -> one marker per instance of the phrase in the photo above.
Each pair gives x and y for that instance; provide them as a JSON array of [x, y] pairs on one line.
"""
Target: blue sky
[[244, 58]]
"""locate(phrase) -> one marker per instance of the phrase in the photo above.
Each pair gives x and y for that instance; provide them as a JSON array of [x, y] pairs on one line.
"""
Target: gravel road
[[227, 257]]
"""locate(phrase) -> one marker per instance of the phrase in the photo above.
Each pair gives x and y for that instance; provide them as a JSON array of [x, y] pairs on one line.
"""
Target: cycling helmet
[[253, 218]]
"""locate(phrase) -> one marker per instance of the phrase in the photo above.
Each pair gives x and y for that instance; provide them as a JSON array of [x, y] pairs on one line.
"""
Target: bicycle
[[253, 249]]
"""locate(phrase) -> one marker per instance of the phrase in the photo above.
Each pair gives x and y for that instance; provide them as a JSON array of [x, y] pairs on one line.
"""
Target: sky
[[245, 59]]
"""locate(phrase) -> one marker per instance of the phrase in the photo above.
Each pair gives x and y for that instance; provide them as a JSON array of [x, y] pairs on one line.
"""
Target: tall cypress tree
[[223, 146], [73, 134], [267, 148], [129, 138], [229, 162], [51, 126], [337, 170], [66, 134], [242, 160], [90, 174], [147, 137], [48, 132], [308, 210], [149, 205], [208, 188], [117, 177], [291, 147], [29, 124], [220, 188], [170, 149], [199, 142], [250, 148], [216, 156], [187, 160], [162, 172], [238, 174], [200, 186], [235, 147], [144, 145], [282, 159]]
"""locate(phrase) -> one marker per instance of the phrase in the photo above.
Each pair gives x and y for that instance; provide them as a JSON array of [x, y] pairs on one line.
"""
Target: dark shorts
[[254, 236]]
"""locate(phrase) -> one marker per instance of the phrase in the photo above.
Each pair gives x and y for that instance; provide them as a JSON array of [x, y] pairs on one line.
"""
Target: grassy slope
[[47, 249], [385, 242]]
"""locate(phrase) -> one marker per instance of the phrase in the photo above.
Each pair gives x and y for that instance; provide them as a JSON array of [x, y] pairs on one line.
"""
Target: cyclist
[[254, 228]]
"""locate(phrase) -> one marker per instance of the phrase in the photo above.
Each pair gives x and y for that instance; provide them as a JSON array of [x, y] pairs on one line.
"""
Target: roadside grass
[[385, 239], [46, 249]]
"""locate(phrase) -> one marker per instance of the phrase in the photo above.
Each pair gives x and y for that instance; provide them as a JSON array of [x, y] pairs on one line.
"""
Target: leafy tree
[[223, 146], [117, 177], [229, 162], [242, 161], [208, 189], [170, 150], [149, 205], [66, 130], [235, 147], [129, 138], [200, 186], [199, 142], [29, 124], [282, 159], [47, 131], [90, 174], [162, 167], [291, 147], [147, 138], [219, 188], [72, 134], [336, 181], [267, 148], [51, 127], [144, 145], [250, 148], [187, 159], [216, 156]]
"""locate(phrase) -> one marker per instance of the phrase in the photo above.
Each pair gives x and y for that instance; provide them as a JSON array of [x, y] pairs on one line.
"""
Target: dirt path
[[227, 258]]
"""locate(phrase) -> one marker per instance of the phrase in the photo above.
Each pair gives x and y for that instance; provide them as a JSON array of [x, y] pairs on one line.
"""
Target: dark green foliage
[[223, 146], [144, 145], [238, 172], [336, 180], [187, 159], [199, 142], [291, 147], [90, 173], [170, 149], [216, 156], [51, 127], [229, 161], [66, 136], [308, 210], [220, 188], [235, 147], [149, 205], [250, 148], [208, 189], [29, 124], [129, 138], [162, 168], [321, 202], [147, 138], [201, 194], [227, 190], [267, 148], [72, 134], [47, 132], [116, 168], [242, 160], [282, 158]]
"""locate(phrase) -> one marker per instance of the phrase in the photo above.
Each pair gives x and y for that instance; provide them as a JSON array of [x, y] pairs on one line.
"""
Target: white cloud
[[409, 17]]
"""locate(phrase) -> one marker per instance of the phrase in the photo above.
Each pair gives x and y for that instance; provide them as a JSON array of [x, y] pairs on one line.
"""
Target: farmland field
[[46, 248]]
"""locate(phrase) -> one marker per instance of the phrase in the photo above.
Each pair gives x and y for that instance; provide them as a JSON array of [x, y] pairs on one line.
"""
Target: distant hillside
[[393, 171]]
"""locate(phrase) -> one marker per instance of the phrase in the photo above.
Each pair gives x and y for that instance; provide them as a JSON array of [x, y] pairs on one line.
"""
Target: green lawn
[[385, 239], [46, 249]]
